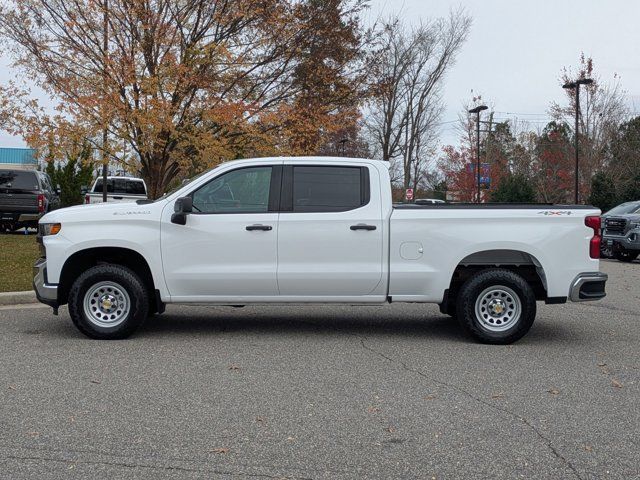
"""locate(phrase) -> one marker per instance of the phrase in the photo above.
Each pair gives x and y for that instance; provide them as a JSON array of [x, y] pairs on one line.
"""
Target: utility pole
[[343, 144], [105, 47], [576, 86], [477, 111]]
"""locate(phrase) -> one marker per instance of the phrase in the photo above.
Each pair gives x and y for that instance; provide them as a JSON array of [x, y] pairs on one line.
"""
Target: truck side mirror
[[84, 190], [182, 208]]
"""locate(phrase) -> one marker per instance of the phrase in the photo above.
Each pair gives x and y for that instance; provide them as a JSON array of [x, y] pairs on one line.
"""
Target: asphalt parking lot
[[325, 392]]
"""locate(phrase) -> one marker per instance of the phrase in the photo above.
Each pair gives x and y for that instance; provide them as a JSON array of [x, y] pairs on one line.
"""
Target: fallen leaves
[[12, 387], [553, 391], [373, 410], [430, 397], [391, 429], [616, 383], [498, 395], [587, 448], [233, 366], [220, 451], [97, 382]]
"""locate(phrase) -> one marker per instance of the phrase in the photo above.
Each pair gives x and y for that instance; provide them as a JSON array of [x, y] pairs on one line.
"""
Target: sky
[[515, 52]]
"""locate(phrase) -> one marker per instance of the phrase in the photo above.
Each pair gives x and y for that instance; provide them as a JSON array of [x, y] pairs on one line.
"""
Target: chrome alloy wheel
[[498, 308], [106, 304]]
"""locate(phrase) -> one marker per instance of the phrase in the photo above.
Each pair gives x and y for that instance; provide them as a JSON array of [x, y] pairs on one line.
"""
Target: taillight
[[41, 203], [87, 199], [593, 222]]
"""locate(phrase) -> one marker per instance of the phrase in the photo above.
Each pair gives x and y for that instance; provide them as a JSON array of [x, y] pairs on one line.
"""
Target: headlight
[[46, 229], [634, 225]]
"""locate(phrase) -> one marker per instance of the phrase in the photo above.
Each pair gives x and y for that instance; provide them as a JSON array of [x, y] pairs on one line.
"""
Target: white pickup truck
[[119, 190], [314, 230]]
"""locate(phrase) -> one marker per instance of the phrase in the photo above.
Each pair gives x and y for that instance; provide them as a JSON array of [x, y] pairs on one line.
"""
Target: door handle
[[265, 228], [362, 226]]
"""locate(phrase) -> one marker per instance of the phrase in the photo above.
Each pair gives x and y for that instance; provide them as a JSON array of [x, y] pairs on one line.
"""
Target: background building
[[24, 158]]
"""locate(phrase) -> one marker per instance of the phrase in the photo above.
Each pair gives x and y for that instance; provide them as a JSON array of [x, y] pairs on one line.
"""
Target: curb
[[17, 298]]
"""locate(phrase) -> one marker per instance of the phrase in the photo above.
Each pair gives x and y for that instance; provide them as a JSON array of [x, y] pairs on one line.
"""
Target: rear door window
[[329, 188], [18, 180]]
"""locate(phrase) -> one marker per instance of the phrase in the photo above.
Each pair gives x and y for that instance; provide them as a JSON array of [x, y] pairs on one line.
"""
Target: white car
[[119, 190], [315, 230]]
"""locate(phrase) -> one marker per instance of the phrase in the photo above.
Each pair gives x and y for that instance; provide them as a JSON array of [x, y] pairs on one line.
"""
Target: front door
[[227, 250], [330, 233]]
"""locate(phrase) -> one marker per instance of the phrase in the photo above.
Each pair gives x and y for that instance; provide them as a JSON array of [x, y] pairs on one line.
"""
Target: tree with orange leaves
[[183, 84]]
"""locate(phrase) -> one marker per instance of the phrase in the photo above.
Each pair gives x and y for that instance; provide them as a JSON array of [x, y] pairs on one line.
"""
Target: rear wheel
[[496, 306], [626, 255], [108, 302]]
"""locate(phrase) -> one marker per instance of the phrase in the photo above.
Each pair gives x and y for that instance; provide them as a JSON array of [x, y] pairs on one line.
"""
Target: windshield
[[629, 207]]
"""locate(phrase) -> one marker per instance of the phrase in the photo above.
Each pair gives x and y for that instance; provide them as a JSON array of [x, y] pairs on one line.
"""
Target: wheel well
[[81, 261], [522, 263]]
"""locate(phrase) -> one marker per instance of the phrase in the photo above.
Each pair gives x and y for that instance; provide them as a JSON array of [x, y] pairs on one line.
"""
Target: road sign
[[409, 194], [485, 173]]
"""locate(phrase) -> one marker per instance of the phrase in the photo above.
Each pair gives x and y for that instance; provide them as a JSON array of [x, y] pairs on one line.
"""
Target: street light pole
[[570, 86], [477, 111]]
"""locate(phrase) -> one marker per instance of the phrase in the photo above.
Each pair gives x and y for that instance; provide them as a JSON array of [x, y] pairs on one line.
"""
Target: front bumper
[[630, 241], [588, 286], [46, 293]]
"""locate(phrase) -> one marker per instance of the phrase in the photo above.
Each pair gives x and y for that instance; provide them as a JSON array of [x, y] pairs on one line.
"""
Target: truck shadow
[[231, 321]]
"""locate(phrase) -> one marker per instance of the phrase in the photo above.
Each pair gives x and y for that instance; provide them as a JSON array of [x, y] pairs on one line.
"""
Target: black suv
[[621, 232], [25, 195]]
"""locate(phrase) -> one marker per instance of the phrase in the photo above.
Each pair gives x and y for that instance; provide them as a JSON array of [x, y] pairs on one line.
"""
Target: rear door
[[330, 231]]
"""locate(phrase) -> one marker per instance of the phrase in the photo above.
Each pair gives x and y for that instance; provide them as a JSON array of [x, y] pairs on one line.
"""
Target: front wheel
[[626, 255], [496, 306], [108, 302]]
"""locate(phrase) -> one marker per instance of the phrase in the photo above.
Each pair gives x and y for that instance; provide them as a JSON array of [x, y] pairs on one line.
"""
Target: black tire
[[9, 227], [488, 329], [626, 255], [118, 277], [606, 251]]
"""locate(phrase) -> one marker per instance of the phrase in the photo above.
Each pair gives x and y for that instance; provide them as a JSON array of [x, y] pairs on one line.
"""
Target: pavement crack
[[520, 418]]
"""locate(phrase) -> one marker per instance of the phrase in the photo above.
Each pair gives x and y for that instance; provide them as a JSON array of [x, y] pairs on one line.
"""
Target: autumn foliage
[[181, 85]]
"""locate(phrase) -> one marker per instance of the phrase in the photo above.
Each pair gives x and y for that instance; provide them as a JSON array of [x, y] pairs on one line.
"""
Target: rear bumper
[[588, 286], [46, 293], [20, 217]]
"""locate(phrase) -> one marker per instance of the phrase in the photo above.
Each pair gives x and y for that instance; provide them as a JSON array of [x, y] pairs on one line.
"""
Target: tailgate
[[18, 203]]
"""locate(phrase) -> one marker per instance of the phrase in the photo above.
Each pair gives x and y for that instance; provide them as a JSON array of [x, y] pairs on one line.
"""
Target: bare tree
[[602, 109], [403, 115]]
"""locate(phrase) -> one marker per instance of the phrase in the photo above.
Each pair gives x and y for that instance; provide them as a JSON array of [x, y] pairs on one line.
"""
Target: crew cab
[[314, 230], [119, 190]]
